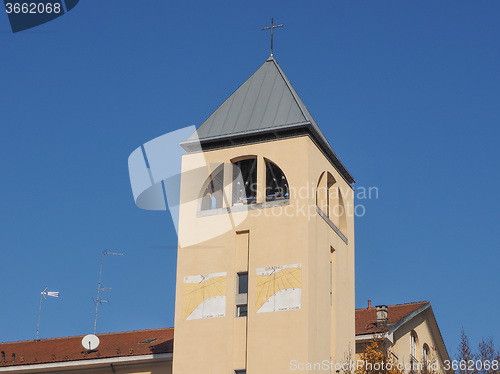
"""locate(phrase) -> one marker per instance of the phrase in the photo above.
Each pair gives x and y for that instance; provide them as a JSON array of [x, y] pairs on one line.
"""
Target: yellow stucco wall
[[422, 326], [279, 235]]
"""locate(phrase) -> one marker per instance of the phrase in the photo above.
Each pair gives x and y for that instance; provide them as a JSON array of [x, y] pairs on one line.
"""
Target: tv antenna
[[43, 296], [98, 300]]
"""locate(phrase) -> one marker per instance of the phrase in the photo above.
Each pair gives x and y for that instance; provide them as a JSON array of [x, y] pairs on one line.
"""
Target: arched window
[[425, 356], [341, 213], [319, 195], [425, 353], [330, 201], [245, 181], [413, 346], [324, 198], [276, 183], [13, 357], [3, 357], [213, 194], [326, 195]]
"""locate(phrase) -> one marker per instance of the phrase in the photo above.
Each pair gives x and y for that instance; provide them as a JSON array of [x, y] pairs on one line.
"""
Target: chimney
[[381, 315], [369, 304]]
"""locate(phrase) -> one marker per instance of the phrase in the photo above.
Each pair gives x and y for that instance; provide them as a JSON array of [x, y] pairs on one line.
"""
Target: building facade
[[265, 271], [409, 335]]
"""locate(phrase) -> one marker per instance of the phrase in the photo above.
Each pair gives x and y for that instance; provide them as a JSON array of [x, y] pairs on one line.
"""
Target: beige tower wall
[[323, 239], [276, 234]]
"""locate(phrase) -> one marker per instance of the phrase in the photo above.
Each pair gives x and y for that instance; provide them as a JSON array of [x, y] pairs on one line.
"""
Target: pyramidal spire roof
[[264, 108]]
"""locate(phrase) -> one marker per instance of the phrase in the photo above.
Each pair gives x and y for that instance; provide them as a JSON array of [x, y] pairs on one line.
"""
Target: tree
[[488, 357], [376, 361], [486, 361], [464, 356]]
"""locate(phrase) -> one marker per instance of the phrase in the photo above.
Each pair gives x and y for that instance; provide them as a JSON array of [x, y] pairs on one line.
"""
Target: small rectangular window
[[242, 294], [242, 283], [243, 371], [242, 310]]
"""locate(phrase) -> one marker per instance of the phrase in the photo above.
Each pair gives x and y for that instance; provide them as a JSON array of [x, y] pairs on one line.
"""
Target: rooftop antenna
[[98, 300], [43, 296], [272, 27]]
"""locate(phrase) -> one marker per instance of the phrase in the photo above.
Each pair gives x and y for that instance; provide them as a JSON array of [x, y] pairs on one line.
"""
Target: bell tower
[[265, 272]]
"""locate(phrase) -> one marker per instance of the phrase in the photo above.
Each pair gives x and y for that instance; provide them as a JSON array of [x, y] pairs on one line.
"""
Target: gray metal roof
[[265, 107]]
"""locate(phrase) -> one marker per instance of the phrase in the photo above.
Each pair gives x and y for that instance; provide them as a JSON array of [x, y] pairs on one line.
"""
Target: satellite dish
[[90, 342]]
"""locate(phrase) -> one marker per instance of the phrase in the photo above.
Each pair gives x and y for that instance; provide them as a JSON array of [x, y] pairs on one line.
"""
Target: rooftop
[[264, 108], [156, 341], [118, 344], [366, 319]]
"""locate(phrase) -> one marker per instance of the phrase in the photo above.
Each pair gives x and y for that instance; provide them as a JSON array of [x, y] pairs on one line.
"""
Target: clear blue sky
[[407, 93]]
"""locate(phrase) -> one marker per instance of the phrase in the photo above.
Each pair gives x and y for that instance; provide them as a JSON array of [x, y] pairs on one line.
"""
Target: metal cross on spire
[[272, 27]]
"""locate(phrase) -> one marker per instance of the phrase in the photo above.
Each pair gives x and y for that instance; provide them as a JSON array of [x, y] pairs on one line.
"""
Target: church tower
[[265, 273]]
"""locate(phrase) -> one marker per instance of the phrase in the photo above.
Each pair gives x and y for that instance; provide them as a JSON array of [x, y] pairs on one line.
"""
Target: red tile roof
[[366, 319], [117, 344], [143, 342]]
